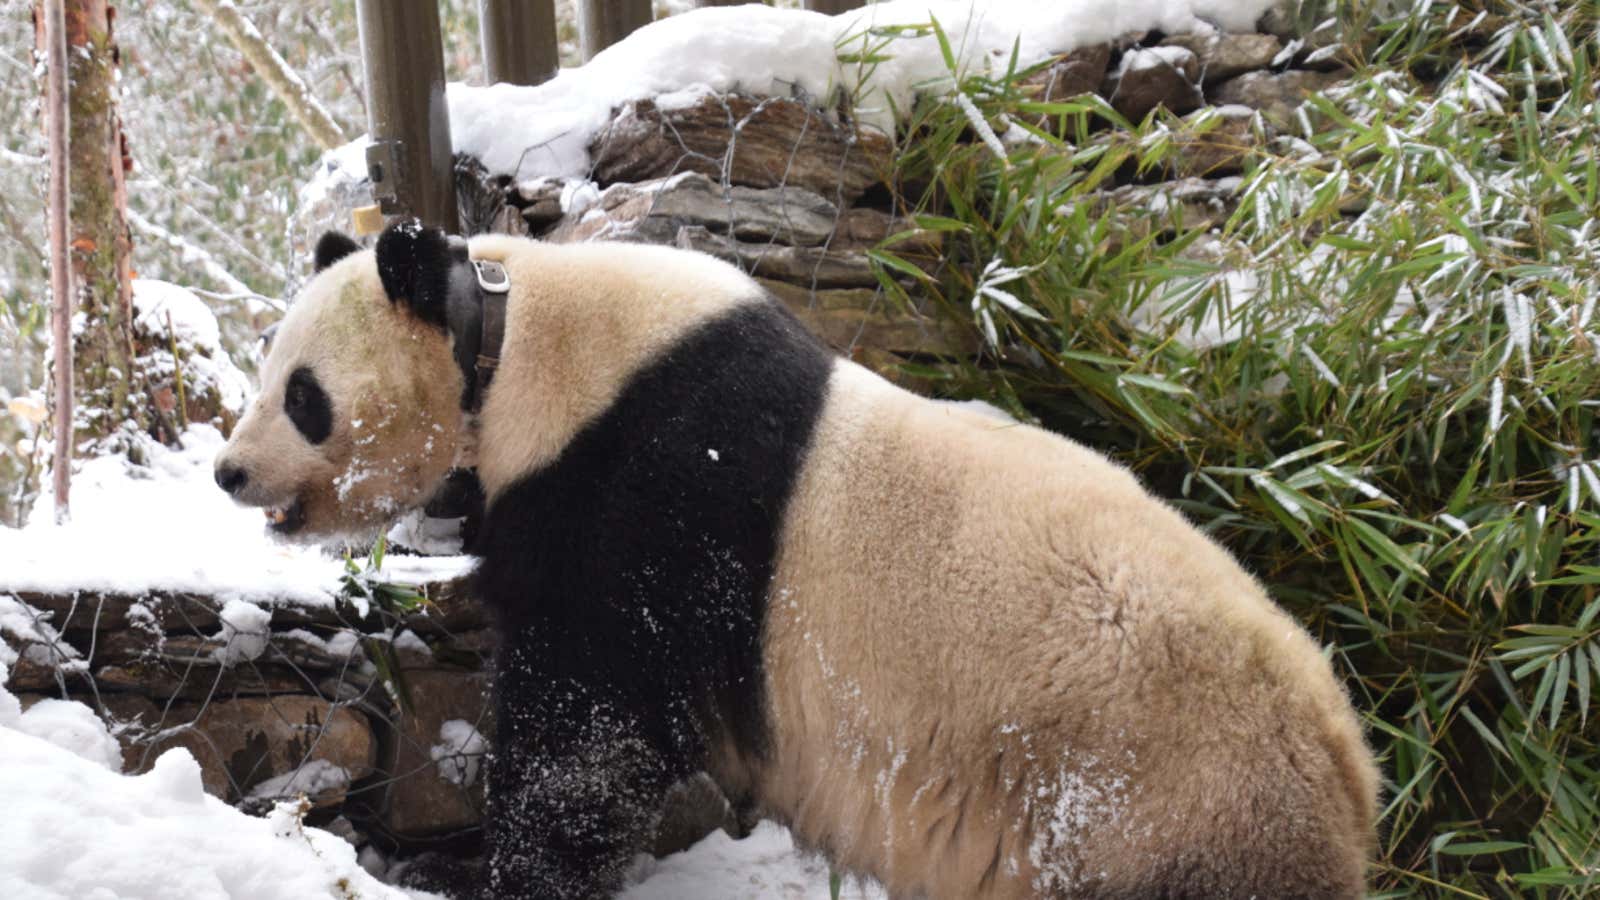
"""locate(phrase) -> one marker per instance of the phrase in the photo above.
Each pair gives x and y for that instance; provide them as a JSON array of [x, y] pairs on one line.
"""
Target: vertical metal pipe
[[602, 23], [409, 161], [833, 7], [519, 40]]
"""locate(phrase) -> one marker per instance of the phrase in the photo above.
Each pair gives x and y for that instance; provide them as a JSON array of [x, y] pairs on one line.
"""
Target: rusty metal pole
[[602, 23], [519, 40], [833, 7], [409, 159]]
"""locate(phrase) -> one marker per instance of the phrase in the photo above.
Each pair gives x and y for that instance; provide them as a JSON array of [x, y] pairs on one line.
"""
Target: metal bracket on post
[[407, 112], [386, 171]]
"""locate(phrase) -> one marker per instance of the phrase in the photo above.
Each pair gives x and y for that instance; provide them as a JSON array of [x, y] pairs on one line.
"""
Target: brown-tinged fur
[[999, 668], [396, 420], [584, 319]]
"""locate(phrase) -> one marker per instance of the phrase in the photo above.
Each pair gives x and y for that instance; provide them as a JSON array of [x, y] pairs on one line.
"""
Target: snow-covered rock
[[76, 830], [547, 130], [181, 360], [246, 630], [73, 727], [459, 752]]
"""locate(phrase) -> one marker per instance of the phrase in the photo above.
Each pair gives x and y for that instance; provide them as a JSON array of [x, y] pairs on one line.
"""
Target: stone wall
[[797, 197], [348, 707]]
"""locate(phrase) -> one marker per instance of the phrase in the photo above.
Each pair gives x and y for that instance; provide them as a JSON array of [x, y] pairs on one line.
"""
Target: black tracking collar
[[476, 317]]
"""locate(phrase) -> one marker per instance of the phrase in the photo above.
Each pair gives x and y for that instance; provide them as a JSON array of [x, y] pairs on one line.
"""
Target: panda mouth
[[286, 519]]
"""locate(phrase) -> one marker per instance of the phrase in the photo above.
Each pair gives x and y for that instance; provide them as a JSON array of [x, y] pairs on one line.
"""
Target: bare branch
[[272, 69], [191, 253]]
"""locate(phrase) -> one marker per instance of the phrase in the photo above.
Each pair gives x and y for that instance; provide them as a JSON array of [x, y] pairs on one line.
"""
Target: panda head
[[358, 417]]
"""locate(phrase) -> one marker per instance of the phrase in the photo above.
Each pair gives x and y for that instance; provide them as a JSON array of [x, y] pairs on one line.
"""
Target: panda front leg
[[575, 789]]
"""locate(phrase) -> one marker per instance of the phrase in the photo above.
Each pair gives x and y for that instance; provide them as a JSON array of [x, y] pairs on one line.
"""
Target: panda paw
[[438, 873]]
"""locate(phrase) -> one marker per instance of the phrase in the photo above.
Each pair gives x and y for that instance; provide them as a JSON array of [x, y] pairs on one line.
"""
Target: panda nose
[[231, 478]]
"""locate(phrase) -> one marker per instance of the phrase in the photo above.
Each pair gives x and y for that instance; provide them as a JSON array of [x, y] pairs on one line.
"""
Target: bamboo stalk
[[55, 30]]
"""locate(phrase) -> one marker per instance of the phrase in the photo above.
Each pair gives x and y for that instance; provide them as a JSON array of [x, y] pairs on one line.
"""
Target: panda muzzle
[[286, 520]]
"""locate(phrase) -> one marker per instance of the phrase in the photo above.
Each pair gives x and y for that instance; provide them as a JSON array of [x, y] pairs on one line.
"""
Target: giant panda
[[965, 657]]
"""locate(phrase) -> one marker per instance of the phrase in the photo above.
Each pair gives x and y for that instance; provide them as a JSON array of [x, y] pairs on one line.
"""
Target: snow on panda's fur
[[968, 658]]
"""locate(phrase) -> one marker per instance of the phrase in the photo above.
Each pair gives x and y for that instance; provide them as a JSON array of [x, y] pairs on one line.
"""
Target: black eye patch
[[307, 406]]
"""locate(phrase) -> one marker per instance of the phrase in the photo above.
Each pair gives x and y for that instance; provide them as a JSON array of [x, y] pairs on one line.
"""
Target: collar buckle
[[492, 277]]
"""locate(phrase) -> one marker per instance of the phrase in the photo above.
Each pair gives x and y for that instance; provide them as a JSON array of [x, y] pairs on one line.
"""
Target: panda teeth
[[276, 515]]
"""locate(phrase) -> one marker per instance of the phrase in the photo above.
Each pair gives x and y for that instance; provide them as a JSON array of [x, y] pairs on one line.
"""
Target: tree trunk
[[53, 27], [108, 389], [271, 68]]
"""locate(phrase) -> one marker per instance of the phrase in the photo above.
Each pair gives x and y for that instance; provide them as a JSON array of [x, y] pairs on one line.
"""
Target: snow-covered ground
[[76, 829]]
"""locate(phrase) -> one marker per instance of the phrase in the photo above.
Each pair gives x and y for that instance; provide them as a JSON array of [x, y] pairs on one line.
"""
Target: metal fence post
[[519, 40], [409, 160], [602, 23]]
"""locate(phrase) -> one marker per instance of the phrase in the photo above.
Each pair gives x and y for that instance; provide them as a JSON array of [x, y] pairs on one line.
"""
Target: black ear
[[332, 247], [414, 263]]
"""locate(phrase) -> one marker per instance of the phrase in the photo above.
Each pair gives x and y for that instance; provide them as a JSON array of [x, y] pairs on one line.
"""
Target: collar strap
[[493, 286], [476, 318]]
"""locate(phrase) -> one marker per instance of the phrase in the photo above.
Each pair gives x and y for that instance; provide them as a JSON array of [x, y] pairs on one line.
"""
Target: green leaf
[[1477, 848], [1558, 697], [1154, 383], [891, 261], [1386, 549], [1483, 731], [1304, 452]]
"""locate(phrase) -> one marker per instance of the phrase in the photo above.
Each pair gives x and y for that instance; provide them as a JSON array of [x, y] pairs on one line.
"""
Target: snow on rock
[[66, 724], [339, 166], [30, 629], [163, 309], [73, 727], [459, 751], [91, 833], [158, 304], [764, 865], [246, 630], [10, 706], [545, 130], [87, 832], [1153, 57], [315, 778], [166, 527]]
